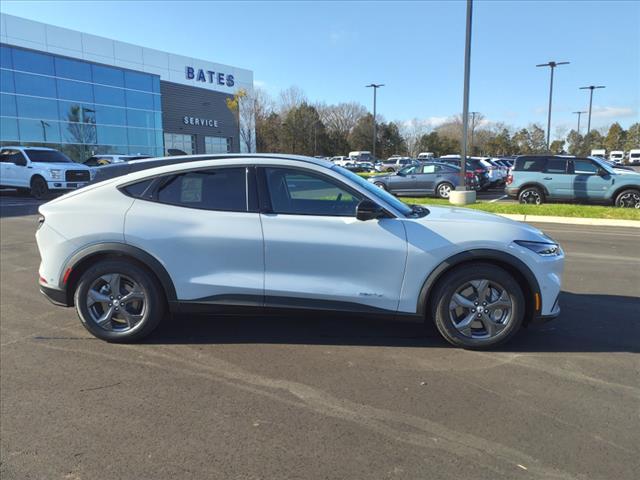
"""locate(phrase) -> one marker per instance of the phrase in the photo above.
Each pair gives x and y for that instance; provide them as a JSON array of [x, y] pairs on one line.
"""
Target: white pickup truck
[[40, 170]]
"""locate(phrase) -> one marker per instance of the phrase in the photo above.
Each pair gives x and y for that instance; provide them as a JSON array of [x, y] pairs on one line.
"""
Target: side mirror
[[602, 172], [400, 173], [368, 210]]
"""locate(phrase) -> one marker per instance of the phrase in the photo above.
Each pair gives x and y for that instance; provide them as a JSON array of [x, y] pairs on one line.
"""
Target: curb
[[601, 222]]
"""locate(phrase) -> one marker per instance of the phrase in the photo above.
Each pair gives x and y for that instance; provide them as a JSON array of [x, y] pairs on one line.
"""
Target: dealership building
[[85, 95]]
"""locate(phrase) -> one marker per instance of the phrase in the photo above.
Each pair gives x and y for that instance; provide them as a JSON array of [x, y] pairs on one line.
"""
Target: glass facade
[[177, 141], [217, 145], [78, 107]]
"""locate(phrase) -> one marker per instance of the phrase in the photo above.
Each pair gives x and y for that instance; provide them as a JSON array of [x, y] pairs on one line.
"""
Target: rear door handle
[[548, 178]]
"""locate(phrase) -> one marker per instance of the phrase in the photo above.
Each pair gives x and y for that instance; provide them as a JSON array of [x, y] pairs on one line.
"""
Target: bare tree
[[291, 97], [412, 131], [342, 117], [251, 107]]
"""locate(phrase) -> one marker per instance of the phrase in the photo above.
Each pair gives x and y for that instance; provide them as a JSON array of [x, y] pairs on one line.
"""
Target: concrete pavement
[[325, 397]]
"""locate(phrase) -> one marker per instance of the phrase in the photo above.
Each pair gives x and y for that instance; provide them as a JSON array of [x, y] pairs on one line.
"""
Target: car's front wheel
[[380, 185], [478, 306], [119, 301], [39, 188], [628, 199], [531, 195]]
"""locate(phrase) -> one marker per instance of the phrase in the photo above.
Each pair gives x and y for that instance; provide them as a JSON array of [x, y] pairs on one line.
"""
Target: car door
[[6, 167], [317, 254], [14, 164], [557, 179], [588, 185], [404, 181], [426, 176], [203, 226]]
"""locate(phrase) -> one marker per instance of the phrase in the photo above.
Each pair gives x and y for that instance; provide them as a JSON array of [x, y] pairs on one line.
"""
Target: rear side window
[[216, 189], [556, 165], [530, 164], [137, 189]]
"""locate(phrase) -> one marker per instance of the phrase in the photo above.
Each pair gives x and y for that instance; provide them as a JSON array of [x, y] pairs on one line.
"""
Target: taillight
[[509, 179], [468, 174]]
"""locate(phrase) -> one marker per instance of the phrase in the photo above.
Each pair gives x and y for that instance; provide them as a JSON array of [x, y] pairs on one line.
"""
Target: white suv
[[255, 232], [40, 170]]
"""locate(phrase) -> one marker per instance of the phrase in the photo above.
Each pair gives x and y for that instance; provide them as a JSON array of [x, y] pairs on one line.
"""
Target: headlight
[[544, 249], [56, 174]]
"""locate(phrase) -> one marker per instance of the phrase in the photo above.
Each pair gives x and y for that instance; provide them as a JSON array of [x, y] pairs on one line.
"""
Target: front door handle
[[548, 178]]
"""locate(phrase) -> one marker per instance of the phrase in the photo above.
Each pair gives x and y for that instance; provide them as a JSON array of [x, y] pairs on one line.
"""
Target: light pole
[[553, 65], [44, 129], [591, 88], [473, 128], [579, 113], [465, 99], [375, 87]]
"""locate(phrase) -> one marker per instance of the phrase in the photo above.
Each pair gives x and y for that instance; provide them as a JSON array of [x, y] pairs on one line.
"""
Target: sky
[[331, 50]]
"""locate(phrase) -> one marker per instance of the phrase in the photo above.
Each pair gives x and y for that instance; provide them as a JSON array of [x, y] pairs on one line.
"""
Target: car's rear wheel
[[531, 195], [380, 185], [478, 306], [390, 170], [119, 301], [444, 190], [628, 199], [39, 188]]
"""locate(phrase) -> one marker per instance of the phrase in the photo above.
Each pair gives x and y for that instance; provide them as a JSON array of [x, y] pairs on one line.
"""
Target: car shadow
[[588, 323], [17, 203]]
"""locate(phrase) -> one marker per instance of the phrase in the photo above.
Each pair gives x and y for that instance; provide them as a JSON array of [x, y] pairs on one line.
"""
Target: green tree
[[615, 139], [557, 146], [576, 145], [268, 131], [361, 134], [593, 140], [391, 142], [303, 132], [633, 137], [500, 144]]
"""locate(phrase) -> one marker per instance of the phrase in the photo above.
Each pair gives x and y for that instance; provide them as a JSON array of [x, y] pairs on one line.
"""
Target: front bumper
[[55, 296], [61, 185]]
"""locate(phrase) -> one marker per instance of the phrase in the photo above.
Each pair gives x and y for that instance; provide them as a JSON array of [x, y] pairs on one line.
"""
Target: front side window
[[303, 193], [11, 156], [584, 167], [216, 189]]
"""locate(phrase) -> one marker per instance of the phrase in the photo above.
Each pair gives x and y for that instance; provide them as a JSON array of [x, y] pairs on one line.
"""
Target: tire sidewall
[[34, 191], [621, 194], [452, 281], [380, 185], [440, 186], [154, 309]]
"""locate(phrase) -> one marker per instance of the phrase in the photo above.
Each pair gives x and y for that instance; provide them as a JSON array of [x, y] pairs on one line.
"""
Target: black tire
[[531, 195], [152, 312], [457, 278], [629, 198], [380, 185], [39, 188], [441, 186]]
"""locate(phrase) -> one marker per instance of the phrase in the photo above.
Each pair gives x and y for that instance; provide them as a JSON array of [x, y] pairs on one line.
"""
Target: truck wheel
[[39, 188], [628, 199], [531, 195]]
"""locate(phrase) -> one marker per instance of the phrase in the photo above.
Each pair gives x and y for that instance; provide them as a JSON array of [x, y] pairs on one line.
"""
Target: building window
[[176, 141], [217, 145], [100, 109]]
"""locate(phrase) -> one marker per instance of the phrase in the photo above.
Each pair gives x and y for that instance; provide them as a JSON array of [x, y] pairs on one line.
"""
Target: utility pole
[[579, 113], [375, 87], [473, 128], [591, 88], [465, 99], [553, 65]]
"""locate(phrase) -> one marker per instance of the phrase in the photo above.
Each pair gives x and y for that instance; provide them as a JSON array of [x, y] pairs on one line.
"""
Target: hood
[[624, 171], [477, 225], [74, 165]]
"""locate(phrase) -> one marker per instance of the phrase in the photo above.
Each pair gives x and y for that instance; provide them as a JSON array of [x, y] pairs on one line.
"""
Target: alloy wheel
[[629, 200], [531, 196], [444, 190], [116, 302], [481, 309]]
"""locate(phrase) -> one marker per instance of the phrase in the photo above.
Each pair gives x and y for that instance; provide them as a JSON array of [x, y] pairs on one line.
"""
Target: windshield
[[47, 156], [603, 164], [374, 190]]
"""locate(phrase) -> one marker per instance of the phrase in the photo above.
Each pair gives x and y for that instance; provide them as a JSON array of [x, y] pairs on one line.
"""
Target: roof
[[21, 147]]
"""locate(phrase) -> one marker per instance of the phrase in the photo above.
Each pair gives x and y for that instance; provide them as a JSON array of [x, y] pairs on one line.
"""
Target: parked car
[[496, 174], [537, 179], [258, 232], [426, 156], [40, 170], [471, 165], [428, 178], [340, 160], [634, 156], [100, 160], [394, 164], [361, 156], [599, 152]]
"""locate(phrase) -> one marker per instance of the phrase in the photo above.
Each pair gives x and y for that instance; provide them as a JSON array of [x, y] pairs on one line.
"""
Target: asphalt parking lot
[[325, 397]]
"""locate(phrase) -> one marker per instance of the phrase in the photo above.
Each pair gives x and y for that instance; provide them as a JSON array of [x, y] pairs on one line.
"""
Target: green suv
[[537, 179]]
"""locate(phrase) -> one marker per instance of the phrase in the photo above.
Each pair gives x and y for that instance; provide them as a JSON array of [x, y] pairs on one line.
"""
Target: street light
[[579, 113], [553, 65], [465, 99], [375, 87], [591, 88]]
